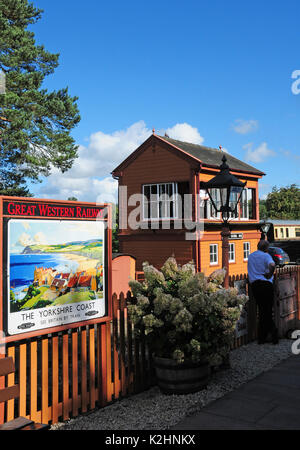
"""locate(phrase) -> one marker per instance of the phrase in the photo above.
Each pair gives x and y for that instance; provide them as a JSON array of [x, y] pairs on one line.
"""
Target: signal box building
[[163, 165]]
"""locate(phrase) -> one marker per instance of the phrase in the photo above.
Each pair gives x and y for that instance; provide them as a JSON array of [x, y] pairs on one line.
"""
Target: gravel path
[[152, 410]]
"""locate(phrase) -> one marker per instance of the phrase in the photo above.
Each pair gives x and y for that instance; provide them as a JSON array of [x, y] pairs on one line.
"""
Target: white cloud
[[25, 225], [258, 154], [84, 189], [24, 240], [89, 179], [106, 151], [290, 155], [245, 126], [38, 239], [184, 132]]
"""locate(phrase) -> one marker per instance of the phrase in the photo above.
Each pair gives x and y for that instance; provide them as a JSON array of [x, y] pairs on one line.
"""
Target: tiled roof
[[284, 222], [212, 156]]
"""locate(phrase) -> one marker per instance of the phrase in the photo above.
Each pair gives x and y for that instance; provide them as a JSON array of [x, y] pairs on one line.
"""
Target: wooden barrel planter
[[185, 378]]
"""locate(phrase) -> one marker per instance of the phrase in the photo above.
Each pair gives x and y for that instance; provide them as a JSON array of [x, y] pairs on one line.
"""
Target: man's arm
[[269, 274]]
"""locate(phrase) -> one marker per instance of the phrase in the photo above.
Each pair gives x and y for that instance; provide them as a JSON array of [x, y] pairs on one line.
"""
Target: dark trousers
[[263, 293]]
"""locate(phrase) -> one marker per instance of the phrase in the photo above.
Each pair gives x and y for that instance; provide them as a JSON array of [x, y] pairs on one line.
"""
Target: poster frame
[[4, 218]]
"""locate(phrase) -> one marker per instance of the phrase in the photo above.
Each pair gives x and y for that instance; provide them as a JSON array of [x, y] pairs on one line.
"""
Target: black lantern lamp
[[264, 228], [229, 190]]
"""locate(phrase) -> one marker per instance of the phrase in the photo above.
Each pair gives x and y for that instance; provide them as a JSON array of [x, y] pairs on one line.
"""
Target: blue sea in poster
[[22, 268]]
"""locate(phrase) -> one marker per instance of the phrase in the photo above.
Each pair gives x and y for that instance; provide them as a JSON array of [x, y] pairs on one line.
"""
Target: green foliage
[[283, 203], [12, 296], [73, 199], [263, 213], [42, 304], [15, 305], [185, 315], [32, 292], [35, 124]]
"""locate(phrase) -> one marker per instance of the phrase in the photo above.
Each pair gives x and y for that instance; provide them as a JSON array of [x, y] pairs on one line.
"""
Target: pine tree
[[35, 124]]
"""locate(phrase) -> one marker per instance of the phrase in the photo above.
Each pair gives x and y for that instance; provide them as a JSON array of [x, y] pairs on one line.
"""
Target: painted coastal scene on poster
[[55, 273]]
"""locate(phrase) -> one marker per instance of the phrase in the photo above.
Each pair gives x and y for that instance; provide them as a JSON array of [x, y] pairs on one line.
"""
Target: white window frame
[[214, 253], [211, 212], [244, 217], [173, 198], [246, 250], [232, 245]]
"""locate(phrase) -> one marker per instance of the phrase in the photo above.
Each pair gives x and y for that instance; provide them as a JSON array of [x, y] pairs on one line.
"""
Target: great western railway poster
[[55, 264]]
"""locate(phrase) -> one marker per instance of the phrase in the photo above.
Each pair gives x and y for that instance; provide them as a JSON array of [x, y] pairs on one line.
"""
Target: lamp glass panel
[[223, 196], [235, 193], [214, 203]]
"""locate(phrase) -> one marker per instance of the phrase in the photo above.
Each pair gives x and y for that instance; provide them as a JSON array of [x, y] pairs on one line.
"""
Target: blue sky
[[213, 72], [35, 232]]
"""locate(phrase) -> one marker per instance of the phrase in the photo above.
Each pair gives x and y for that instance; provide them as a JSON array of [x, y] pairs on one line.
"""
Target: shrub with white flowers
[[183, 314]]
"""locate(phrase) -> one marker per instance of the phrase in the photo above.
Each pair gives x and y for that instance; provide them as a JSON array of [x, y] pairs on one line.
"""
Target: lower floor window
[[213, 251], [246, 250], [231, 252]]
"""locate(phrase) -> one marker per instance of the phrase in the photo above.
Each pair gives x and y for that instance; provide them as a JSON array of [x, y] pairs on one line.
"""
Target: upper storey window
[[160, 201], [247, 204], [245, 209]]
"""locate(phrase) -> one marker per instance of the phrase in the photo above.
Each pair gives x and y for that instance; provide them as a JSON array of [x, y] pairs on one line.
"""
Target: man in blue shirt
[[260, 272]]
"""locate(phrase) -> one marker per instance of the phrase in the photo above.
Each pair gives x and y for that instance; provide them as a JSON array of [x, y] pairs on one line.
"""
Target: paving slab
[[271, 401], [272, 393], [248, 409], [282, 418], [206, 421]]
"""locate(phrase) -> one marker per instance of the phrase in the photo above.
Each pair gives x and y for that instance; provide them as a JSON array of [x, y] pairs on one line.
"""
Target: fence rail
[[75, 371], [66, 374], [286, 313]]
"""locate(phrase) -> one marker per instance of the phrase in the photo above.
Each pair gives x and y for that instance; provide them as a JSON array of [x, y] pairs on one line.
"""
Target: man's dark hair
[[263, 245]]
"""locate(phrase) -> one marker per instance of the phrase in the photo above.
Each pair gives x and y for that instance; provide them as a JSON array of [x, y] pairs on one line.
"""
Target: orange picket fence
[[69, 373], [65, 374]]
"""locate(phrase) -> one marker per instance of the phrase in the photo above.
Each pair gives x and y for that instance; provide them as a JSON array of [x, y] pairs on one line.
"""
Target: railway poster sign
[[55, 264]]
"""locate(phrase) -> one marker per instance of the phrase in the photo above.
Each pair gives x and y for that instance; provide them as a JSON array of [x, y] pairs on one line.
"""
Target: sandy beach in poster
[[84, 263]]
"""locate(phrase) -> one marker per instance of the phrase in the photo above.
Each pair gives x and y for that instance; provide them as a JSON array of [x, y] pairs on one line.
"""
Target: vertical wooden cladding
[[150, 167], [157, 250]]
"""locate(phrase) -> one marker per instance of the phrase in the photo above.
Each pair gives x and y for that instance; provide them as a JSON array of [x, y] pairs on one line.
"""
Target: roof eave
[[232, 169]]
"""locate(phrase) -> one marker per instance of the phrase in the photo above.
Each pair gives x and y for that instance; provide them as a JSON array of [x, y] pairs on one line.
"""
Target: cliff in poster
[[92, 248]]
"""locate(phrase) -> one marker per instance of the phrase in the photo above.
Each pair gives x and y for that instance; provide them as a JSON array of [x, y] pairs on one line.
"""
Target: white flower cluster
[[183, 314]]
